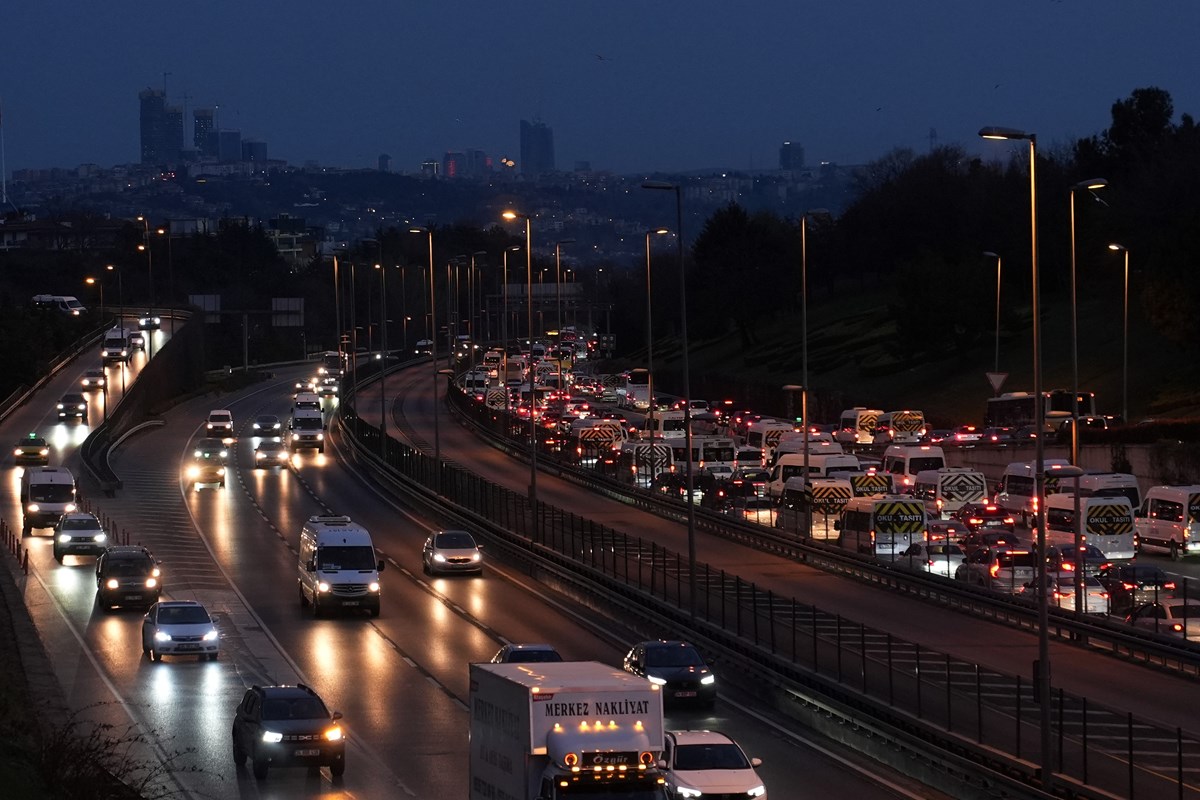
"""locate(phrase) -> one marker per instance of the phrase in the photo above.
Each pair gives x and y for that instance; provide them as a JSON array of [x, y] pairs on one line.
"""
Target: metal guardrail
[[922, 701]]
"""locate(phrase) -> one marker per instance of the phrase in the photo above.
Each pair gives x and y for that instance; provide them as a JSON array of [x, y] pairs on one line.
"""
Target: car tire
[[25, 529], [260, 768], [375, 611], [146, 652], [213, 656], [338, 767], [321, 449], [1174, 550], [239, 755], [155, 656], [317, 611], [303, 596], [58, 556]]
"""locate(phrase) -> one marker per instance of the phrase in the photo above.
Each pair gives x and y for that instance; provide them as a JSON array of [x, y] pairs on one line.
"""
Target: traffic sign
[[996, 379]]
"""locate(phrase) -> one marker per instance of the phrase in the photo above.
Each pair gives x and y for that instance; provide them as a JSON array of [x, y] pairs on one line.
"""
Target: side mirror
[[335, 716], [756, 762], [379, 566], [661, 763]]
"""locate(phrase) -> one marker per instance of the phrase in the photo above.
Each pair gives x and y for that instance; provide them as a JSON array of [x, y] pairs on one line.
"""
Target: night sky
[[628, 86]]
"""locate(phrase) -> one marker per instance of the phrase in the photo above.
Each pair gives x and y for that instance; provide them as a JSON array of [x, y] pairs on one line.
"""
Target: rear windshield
[[1015, 560]]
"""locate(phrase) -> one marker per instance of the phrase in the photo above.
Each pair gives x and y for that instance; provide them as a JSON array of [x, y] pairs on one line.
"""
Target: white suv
[[709, 764], [219, 424]]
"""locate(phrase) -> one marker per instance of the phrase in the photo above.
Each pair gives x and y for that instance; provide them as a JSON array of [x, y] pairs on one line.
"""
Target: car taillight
[[994, 570], [1068, 566], [1129, 587], [1175, 626], [1169, 585]]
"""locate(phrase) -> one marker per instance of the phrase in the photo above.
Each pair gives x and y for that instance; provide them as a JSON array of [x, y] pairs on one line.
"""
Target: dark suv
[[127, 575], [287, 726]]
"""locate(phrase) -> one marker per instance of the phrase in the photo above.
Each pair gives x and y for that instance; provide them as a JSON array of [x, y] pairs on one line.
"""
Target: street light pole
[[1120, 248], [513, 215], [149, 262], [1091, 185], [687, 390], [437, 438], [503, 377], [650, 334], [383, 362], [1042, 667], [170, 270], [990, 254]]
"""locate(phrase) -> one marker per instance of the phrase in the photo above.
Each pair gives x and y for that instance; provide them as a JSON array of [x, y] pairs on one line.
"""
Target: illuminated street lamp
[[504, 338], [650, 332], [383, 349], [687, 388], [1042, 666], [170, 270], [100, 283], [1091, 185], [437, 438], [149, 261], [990, 254], [510, 216], [1120, 248], [804, 358]]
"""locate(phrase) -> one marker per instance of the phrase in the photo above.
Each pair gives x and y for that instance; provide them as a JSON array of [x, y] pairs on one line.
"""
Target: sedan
[[179, 628], [946, 531], [709, 764], [149, 323], [1173, 617], [526, 654], [999, 539], [451, 551], [977, 516], [33, 449], [267, 425], [675, 666], [72, 406], [996, 436], [1064, 558], [933, 558], [965, 435], [93, 380], [1131, 585], [270, 453], [1062, 593], [759, 509]]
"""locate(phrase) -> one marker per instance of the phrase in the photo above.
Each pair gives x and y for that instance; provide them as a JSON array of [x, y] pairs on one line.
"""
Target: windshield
[[294, 708], [52, 492], [710, 756], [307, 423], [80, 524], [128, 566], [183, 615], [338, 557], [673, 657], [455, 540]]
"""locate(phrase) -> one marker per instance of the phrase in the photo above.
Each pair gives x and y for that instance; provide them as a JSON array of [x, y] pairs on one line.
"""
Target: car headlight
[[45, 451], [657, 681], [70, 507], [334, 734], [156, 572], [64, 538], [271, 737], [476, 556], [32, 508], [295, 437], [259, 454], [320, 437], [373, 586], [193, 472], [757, 791], [17, 452], [160, 636], [708, 680], [221, 471], [208, 425], [60, 406], [112, 583], [439, 557], [686, 792], [224, 454], [82, 406], [151, 583], [211, 636], [100, 537], [322, 587]]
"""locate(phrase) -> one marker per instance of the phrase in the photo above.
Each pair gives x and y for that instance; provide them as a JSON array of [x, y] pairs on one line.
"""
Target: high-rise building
[[537, 148], [254, 150], [229, 145], [430, 168], [153, 125], [203, 132], [478, 164], [385, 162], [791, 156], [454, 165]]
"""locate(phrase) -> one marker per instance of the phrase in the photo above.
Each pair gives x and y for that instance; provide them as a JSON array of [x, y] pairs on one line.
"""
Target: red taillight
[[1169, 585], [1129, 587], [974, 521], [1068, 566], [1175, 626], [994, 570], [929, 563], [1104, 595]]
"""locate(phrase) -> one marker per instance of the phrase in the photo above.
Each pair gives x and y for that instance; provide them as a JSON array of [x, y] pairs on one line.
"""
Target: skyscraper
[[791, 156], [153, 125], [203, 138], [537, 148]]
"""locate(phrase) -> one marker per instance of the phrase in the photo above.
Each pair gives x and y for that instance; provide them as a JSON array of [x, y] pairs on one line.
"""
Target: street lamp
[[1042, 666], [990, 254], [510, 216], [383, 349], [558, 289], [1120, 248], [170, 269], [149, 260], [1090, 185], [804, 359], [120, 291], [687, 388], [650, 332], [100, 283], [437, 438], [504, 337]]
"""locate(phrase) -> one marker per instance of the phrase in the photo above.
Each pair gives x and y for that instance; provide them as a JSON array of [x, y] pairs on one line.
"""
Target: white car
[[709, 764], [179, 628], [936, 558], [1171, 617], [451, 551]]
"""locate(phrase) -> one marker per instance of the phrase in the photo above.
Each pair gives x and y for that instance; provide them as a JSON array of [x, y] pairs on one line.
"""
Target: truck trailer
[[551, 731]]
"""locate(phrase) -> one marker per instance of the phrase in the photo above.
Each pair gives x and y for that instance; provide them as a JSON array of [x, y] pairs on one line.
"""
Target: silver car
[[451, 551], [936, 558], [179, 628]]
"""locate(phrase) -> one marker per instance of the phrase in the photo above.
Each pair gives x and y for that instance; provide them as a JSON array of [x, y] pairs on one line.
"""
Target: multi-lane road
[[400, 680]]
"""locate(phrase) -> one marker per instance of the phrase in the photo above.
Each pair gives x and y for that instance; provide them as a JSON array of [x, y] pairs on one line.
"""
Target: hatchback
[[1131, 585], [677, 667], [709, 764], [451, 551], [935, 558], [127, 575], [72, 406], [179, 628], [267, 425]]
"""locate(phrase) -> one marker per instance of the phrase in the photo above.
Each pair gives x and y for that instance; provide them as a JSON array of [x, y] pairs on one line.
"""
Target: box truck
[[553, 731]]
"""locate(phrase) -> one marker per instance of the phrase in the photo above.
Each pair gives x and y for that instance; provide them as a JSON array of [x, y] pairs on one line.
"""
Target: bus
[[1015, 409], [332, 364], [637, 389]]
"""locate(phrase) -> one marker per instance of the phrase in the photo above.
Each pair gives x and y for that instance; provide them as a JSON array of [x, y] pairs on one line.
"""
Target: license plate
[[349, 602], [133, 597], [685, 694], [307, 753], [183, 647]]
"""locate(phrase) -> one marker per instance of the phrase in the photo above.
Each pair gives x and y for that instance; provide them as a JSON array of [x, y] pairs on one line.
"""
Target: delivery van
[[1169, 520], [905, 462], [46, 494], [948, 489], [338, 568], [882, 527], [1105, 522]]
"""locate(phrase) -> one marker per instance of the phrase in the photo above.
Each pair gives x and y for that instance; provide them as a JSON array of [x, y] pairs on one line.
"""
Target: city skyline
[[657, 90]]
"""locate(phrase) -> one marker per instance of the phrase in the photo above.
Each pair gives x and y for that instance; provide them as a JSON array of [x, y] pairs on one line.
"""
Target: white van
[[338, 567], [115, 346], [46, 494], [946, 490], [899, 427], [1105, 484], [766, 433], [664, 425], [883, 527], [1017, 488], [309, 401], [857, 425], [1105, 522], [64, 303], [905, 461], [1169, 519], [829, 498], [794, 443], [819, 466], [307, 430]]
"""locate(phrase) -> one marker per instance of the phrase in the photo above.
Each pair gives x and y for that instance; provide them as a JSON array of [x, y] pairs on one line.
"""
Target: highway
[[400, 680]]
